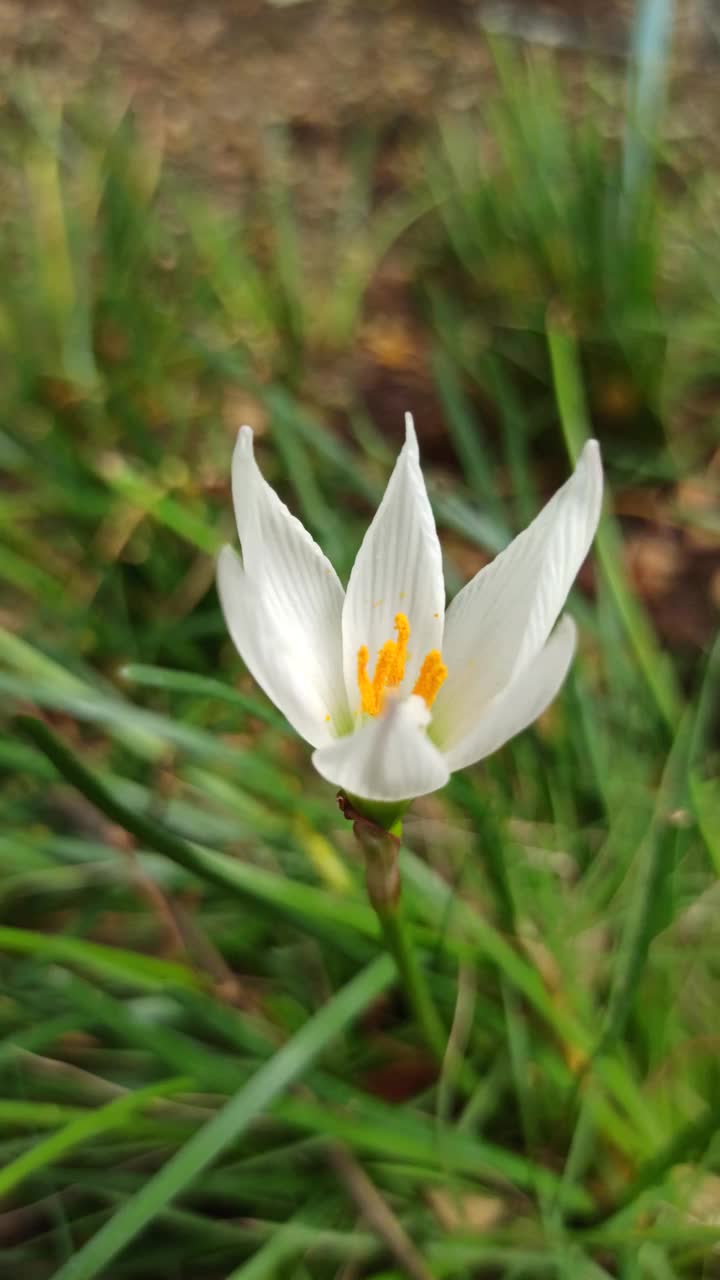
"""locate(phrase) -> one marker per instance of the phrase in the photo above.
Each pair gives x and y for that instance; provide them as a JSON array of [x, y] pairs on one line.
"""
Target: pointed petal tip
[[566, 631], [245, 474], [228, 569], [226, 556], [590, 460], [244, 442], [587, 482], [411, 440]]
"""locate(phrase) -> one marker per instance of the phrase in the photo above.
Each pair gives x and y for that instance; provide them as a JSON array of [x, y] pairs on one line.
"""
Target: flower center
[[390, 669]]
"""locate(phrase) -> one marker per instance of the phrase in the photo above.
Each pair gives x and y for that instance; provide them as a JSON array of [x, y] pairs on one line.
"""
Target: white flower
[[359, 674]]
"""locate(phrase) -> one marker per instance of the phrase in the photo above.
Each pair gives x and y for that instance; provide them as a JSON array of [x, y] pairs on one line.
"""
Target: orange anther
[[433, 673], [390, 670]]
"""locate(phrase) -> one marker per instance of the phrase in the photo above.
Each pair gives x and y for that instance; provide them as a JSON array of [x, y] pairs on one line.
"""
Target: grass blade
[[292, 898], [147, 972], [287, 1066], [83, 1129], [574, 420]]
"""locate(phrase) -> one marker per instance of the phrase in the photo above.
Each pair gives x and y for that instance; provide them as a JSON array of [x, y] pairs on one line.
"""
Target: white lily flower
[[446, 689]]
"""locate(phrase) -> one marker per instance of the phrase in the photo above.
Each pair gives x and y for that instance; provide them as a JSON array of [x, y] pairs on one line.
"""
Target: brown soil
[[209, 78], [216, 73]]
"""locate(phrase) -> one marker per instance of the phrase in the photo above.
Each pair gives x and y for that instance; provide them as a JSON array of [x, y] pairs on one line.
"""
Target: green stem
[[378, 831], [399, 944]]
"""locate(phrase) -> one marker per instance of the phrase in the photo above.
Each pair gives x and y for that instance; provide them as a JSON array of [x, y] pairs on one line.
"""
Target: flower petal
[[521, 702], [283, 605], [398, 570], [389, 757], [265, 644], [502, 618]]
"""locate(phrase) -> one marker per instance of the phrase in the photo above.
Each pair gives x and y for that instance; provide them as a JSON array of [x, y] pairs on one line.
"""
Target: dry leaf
[[470, 1212]]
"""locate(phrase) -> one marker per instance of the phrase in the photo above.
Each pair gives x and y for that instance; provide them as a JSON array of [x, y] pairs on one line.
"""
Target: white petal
[[283, 605], [265, 644], [389, 757], [398, 570], [521, 702], [502, 618]]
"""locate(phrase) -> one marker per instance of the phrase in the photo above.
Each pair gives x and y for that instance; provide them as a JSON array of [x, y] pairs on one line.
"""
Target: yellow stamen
[[402, 626], [384, 672], [367, 693], [390, 670], [433, 673]]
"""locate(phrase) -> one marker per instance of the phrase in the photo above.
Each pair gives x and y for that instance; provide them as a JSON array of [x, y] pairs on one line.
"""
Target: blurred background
[[312, 216]]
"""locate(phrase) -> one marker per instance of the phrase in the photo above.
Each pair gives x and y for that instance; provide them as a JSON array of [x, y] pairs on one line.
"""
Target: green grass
[[197, 1008]]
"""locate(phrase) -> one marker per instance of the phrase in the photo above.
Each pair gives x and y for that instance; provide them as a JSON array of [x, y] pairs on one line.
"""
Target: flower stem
[[412, 977], [380, 844]]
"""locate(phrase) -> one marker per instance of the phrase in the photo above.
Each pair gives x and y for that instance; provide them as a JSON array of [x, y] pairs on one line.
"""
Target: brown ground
[[210, 76], [218, 72]]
